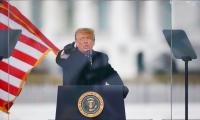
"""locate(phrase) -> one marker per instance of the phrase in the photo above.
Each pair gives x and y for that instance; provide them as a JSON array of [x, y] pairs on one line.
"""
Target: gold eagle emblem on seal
[[90, 104]]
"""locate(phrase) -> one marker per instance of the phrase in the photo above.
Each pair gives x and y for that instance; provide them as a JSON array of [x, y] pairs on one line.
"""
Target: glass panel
[[7, 42], [185, 16], [150, 87], [131, 35]]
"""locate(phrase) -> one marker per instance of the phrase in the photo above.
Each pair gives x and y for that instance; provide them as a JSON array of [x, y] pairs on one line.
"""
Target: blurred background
[[130, 32]]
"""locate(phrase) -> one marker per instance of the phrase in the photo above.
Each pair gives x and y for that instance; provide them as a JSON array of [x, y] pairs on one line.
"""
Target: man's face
[[84, 41]]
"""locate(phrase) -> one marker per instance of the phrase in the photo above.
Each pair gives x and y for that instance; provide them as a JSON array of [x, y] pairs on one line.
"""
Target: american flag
[[30, 49]]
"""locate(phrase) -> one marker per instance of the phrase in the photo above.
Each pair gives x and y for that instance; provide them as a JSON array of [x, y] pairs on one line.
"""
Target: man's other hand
[[125, 91]]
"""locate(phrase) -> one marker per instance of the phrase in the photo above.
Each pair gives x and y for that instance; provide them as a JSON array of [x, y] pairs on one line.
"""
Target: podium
[[75, 102]]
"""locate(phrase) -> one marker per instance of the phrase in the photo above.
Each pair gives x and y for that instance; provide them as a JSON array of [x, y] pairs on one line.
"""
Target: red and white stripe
[[14, 25], [30, 48]]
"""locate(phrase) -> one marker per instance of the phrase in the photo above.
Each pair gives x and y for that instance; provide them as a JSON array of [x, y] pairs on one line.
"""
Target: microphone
[[89, 55]]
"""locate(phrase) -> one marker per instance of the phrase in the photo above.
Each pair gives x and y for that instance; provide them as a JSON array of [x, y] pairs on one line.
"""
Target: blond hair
[[85, 30]]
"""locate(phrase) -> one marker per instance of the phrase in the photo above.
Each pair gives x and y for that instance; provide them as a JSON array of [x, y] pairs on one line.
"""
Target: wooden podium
[[90, 103]]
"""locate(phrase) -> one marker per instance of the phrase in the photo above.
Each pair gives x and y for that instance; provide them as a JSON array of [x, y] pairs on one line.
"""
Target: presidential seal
[[90, 104]]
